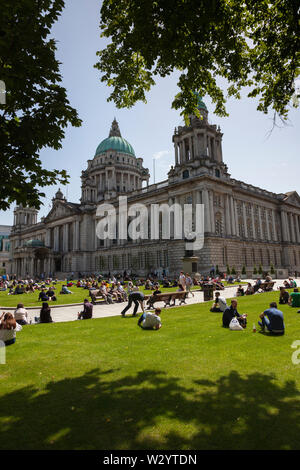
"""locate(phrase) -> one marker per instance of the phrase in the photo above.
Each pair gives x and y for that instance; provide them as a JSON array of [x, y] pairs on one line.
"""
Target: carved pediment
[[293, 198], [59, 211]]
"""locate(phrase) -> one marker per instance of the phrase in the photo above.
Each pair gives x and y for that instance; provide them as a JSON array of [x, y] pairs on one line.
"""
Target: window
[[218, 224], [185, 174]]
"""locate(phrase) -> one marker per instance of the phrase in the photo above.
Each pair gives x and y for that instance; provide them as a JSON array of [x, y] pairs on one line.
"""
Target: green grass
[[107, 384]]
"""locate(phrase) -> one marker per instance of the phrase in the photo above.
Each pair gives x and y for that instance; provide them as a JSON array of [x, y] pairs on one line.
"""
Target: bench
[[166, 297], [97, 296], [267, 286]]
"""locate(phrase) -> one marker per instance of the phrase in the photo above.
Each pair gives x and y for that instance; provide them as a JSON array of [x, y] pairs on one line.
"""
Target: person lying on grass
[[150, 321], [232, 312]]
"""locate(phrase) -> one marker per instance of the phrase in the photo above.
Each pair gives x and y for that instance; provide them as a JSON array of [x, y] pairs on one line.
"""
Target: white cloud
[[160, 154]]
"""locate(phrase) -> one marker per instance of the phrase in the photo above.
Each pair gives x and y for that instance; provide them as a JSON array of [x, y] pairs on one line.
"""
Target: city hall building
[[244, 225]]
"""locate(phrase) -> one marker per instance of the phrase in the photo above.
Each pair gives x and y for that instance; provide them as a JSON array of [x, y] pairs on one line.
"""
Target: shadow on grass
[[152, 411]]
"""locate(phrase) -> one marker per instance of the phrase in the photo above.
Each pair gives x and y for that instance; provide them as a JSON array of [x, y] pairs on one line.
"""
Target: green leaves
[[253, 43], [37, 109]]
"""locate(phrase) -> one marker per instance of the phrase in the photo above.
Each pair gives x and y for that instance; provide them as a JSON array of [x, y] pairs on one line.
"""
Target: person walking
[[137, 298]]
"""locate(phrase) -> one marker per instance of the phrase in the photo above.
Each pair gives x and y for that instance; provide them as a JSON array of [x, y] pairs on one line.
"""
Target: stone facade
[[244, 225]]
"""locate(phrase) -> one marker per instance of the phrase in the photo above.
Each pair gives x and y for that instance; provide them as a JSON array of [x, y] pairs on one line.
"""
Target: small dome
[[201, 104], [59, 195], [115, 143]]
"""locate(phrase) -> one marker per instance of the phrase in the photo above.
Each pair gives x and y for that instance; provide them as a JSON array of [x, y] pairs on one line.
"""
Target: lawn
[[107, 384]]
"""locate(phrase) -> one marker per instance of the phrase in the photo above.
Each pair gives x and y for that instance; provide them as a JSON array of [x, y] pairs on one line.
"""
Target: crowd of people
[[124, 289]]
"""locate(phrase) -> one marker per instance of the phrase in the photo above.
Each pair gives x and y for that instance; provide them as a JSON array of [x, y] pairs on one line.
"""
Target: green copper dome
[[201, 104], [115, 143]]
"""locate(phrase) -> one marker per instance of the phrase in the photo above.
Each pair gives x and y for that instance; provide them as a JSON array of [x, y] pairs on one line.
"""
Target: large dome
[[115, 143]]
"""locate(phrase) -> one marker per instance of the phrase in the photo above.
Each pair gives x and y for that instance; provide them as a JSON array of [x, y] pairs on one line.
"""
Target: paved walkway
[[69, 313]]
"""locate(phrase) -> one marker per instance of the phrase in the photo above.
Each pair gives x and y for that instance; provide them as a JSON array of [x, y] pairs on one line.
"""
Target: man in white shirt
[[220, 304], [150, 321], [182, 280]]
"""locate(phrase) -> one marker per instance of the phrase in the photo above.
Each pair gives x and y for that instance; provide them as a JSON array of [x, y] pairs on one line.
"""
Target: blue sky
[[270, 162]]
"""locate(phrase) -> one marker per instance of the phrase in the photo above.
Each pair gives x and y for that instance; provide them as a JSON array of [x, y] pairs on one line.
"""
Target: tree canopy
[[36, 108], [251, 43]]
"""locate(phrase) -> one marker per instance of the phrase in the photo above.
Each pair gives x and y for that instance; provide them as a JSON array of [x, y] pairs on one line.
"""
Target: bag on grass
[[235, 325]]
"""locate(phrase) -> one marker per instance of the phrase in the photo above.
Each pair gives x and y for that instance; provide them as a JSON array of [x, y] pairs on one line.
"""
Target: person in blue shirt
[[272, 319]]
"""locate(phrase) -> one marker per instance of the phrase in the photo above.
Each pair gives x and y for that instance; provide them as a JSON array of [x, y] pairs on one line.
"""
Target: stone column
[[227, 215], [236, 218], [183, 151], [212, 213], [260, 223], [56, 238], [191, 148], [176, 152], [66, 237], [253, 223], [31, 267], [207, 213], [274, 226], [293, 237], [284, 226], [268, 227], [245, 220], [297, 228], [232, 218], [76, 235]]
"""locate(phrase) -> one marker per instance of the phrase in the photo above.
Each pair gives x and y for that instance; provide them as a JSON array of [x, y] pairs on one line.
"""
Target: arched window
[[185, 174]]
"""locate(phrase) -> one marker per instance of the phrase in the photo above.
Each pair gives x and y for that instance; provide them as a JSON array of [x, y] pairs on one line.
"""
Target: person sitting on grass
[[51, 294], [8, 328], [240, 291], [294, 300], [19, 289], [21, 315], [220, 304], [43, 296], [150, 321], [45, 314], [272, 319], [232, 312], [249, 290], [87, 312], [283, 296]]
